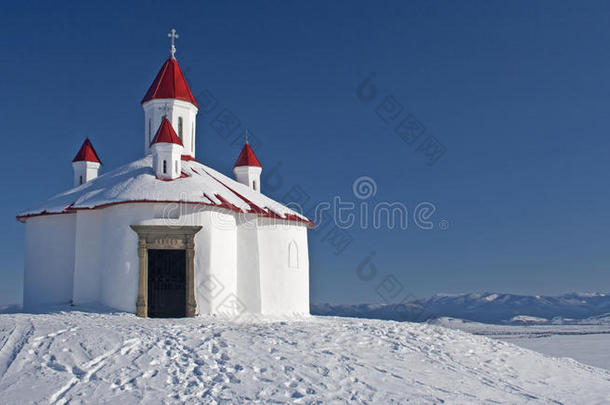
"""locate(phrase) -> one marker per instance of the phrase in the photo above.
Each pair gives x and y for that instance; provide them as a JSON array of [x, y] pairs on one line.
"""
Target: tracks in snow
[[85, 374], [72, 357], [13, 345]]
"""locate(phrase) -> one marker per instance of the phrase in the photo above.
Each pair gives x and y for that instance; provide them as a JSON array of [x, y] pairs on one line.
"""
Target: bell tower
[[170, 96]]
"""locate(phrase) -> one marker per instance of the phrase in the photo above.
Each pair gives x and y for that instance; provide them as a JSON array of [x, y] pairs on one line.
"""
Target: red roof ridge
[[170, 83], [255, 209], [247, 157], [166, 134], [87, 153]]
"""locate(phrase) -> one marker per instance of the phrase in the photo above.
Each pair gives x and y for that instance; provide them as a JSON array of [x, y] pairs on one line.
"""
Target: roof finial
[[246, 135], [173, 36]]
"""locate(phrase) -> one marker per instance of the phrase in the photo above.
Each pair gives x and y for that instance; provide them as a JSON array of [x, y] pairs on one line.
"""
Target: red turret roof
[[166, 134], [86, 153], [247, 157], [170, 83]]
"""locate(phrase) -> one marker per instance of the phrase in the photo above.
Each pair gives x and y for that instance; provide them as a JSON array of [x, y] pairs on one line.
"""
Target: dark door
[[166, 283]]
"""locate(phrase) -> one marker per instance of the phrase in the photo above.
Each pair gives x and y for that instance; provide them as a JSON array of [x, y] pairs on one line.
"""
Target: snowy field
[[589, 344], [79, 357]]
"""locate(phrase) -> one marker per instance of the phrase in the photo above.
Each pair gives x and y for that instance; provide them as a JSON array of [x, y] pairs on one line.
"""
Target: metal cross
[[172, 34]]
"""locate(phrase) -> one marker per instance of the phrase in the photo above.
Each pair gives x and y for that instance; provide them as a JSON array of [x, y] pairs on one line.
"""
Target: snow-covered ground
[[90, 357], [587, 342]]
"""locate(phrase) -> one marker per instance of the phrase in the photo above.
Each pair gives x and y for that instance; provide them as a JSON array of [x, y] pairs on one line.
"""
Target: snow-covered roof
[[170, 83], [86, 153], [136, 183]]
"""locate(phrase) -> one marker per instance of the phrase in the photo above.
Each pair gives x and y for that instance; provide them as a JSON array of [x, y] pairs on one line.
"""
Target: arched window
[[164, 166], [176, 166], [81, 179], [193, 137], [149, 130], [180, 128], [254, 185], [293, 255]]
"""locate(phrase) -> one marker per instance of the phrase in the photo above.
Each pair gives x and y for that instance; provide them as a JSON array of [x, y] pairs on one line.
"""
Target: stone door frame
[[165, 237]]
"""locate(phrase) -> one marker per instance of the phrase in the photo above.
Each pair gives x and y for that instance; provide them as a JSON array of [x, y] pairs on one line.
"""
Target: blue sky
[[517, 93]]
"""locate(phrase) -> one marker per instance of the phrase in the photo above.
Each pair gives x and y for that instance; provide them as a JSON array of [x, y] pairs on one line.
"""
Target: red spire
[[247, 157], [166, 134], [170, 83], [86, 153]]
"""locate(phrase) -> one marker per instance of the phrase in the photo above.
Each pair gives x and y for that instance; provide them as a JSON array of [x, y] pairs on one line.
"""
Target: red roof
[[170, 83], [86, 153], [247, 157], [166, 134]]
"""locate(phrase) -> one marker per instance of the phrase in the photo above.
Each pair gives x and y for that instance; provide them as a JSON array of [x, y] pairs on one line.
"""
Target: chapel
[[166, 235]]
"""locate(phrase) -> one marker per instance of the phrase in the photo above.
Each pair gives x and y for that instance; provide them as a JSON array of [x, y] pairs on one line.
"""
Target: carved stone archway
[[165, 237]]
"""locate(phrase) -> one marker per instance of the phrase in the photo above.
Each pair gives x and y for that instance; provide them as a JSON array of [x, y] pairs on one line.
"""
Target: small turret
[[166, 150], [248, 169], [86, 164]]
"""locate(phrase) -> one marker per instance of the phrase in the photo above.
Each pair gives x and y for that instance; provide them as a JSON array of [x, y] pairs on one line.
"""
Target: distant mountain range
[[485, 307]]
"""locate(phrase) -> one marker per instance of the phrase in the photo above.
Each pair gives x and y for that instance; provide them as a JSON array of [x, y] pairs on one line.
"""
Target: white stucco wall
[[88, 257], [249, 176], [49, 260], [248, 263], [283, 289], [215, 252], [154, 110], [91, 256], [120, 264], [170, 153], [215, 256], [85, 171]]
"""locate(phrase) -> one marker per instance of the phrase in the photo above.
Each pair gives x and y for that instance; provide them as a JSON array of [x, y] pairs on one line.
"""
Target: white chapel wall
[[284, 289], [88, 257], [248, 263], [120, 263], [91, 256], [215, 256], [117, 267], [49, 260]]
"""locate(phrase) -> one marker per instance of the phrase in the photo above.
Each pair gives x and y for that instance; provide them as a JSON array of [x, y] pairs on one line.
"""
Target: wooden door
[[166, 283]]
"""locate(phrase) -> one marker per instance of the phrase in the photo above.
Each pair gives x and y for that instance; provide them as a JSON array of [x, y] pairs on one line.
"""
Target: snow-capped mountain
[[485, 307]]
